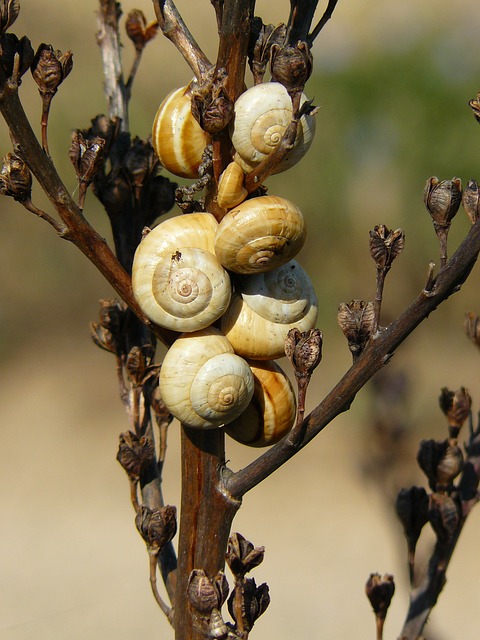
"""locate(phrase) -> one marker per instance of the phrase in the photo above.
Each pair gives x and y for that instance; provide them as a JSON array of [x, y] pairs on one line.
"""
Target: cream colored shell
[[262, 113], [176, 278], [265, 307], [272, 410], [203, 383], [177, 138], [260, 234], [231, 188]]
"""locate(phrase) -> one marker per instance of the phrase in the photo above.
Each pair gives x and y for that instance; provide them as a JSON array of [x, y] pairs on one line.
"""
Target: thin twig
[[61, 229], [323, 20], [153, 583]]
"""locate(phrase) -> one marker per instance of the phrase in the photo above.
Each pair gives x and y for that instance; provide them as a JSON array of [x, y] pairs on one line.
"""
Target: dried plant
[[167, 283]]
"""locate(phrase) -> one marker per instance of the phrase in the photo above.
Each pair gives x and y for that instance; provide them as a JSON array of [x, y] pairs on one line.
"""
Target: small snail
[[176, 278], [265, 307], [262, 113], [260, 234], [231, 188], [271, 412], [177, 138], [203, 382]]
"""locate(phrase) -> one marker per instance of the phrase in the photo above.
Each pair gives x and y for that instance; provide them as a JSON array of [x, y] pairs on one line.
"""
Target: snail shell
[[260, 234], [176, 278], [265, 307], [177, 138], [271, 412], [231, 189], [203, 382], [261, 115]]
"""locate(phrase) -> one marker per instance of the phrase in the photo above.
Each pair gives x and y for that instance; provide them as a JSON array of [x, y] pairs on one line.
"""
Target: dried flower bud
[[262, 38], [412, 509], [139, 161], [9, 10], [216, 626], [471, 201], [139, 363], [304, 350], [456, 406], [475, 106], [16, 55], [242, 556], [138, 30], [157, 527], [444, 515], [102, 337], [205, 594], [50, 68], [15, 178], [357, 321], [252, 603], [449, 467], [291, 65], [472, 328], [86, 156], [380, 592], [430, 453], [386, 245], [442, 199], [211, 106], [135, 454], [107, 333]]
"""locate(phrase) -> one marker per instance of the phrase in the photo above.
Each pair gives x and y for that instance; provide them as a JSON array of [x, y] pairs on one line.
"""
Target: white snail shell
[[265, 307], [271, 412], [203, 382], [178, 139], [176, 279], [231, 188], [262, 113], [260, 234]]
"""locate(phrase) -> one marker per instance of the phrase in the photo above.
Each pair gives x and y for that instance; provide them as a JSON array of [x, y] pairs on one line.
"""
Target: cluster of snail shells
[[233, 290]]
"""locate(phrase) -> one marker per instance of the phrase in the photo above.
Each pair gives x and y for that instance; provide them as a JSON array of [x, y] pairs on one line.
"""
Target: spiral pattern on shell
[[271, 412], [203, 383], [262, 113], [260, 234], [265, 307], [177, 138], [176, 278]]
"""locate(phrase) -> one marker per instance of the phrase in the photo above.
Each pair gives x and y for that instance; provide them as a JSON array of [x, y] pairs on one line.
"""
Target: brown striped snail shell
[[271, 412], [231, 188], [177, 138], [176, 279], [265, 307], [203, 383], [260, 234], [261, 115]]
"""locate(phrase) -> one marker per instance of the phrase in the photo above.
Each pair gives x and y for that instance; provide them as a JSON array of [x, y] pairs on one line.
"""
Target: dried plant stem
[[376, 354], [46, 102], [323, 20], [59, 228], [379, 623], [380, 284], [153, 583]]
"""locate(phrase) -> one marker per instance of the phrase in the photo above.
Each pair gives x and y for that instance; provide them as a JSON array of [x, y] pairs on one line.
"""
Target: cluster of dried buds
[[246, 602]]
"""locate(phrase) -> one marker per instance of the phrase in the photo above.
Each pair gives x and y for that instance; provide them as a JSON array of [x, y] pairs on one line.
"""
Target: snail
[[271, 412], [265, 307], [176, 279], [177, 138], [261, 115], [231, 189], [203, 382], [260, 234]]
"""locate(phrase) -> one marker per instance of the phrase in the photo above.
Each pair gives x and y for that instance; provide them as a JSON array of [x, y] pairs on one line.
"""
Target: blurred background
[[393, 81]]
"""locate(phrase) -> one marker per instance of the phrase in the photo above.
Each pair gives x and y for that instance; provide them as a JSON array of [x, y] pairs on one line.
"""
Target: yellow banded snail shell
[[271, 412], [261, 115], [177, 138], [265, 307], [231, 188], [260, 234], [203, 383], [176, 279]]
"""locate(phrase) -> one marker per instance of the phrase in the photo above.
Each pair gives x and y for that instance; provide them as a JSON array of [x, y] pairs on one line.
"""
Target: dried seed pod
[[442, 199], [203, 383], [471, 201], [260, 234], [271, 412], [261, 116], [177, 280], [265, 307], [231, 188], [177, 138]]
